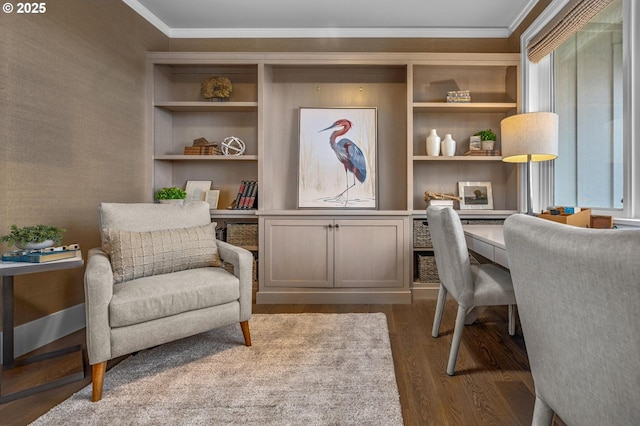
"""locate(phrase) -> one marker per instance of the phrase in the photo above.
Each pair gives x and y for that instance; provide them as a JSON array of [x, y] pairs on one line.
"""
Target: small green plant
[[33, 234], [486, 135], [172, 193]]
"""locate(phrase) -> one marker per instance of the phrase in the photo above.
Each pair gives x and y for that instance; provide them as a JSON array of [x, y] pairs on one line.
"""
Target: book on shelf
[[440, 203], [488, 152], [41, 256], [247, 193]]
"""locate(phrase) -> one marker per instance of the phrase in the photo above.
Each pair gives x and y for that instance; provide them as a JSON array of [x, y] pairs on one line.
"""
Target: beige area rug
[[303, 369]]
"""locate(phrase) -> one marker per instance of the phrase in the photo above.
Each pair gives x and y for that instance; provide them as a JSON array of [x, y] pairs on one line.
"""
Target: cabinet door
[[298, 253], [369, 253]]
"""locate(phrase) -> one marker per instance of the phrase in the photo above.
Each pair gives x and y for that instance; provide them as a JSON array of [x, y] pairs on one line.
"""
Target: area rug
[[303, 369]]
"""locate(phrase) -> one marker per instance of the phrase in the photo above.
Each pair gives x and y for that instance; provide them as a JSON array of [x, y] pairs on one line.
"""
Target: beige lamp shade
[[532, 134]]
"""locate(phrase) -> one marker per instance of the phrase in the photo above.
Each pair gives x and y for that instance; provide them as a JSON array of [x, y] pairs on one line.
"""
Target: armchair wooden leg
[[98, 371], [245, 332]]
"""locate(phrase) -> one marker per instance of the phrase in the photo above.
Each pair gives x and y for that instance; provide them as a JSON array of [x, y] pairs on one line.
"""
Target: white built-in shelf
[[180, 157], [233, 213], [473, 214], [200, 106], [458, 158], [464, 106]]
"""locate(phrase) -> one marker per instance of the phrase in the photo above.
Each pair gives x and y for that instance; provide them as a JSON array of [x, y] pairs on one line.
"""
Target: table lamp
[[528, 138]]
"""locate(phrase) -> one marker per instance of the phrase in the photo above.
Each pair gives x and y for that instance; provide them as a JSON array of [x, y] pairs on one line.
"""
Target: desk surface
[[490, 234]]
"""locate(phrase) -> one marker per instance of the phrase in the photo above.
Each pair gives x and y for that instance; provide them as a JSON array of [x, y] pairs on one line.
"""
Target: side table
[[7, 271]]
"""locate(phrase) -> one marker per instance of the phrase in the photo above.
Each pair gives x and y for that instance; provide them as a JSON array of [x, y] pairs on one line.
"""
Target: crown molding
[[150, 17]]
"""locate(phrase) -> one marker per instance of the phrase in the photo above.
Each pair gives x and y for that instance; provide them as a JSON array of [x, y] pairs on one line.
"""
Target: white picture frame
[[475, 195], [197, 190], [211, 197]]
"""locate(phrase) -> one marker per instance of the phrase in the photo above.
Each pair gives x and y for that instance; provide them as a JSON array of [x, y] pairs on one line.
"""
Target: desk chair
[[578, 293], [470, 285]]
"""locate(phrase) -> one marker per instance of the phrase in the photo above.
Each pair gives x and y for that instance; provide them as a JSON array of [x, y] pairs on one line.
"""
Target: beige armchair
[[158, 278]]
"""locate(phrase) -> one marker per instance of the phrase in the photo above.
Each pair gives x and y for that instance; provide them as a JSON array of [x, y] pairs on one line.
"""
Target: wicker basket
[[427, 270], [242, 234], [229, 268], [421, 234]]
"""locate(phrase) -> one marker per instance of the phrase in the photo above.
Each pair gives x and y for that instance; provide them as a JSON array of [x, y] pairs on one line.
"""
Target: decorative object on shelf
[[439, 199], [201, 146], [574, 216], [475, 143], [458, 96], [233, 146], [448, 146], [433, 144], [171, 195], [338, 171], [33, 237], [487, 139], [482, 152], [211, 197], [197, 190], [216, 88], [475, 195], [528, 138]]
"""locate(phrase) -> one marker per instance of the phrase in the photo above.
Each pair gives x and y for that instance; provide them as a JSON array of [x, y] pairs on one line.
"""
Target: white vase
[[448, 146], [433, 143], [172, 201]]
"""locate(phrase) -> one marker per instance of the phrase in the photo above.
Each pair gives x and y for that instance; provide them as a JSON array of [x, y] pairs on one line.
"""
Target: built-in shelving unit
[[409, 92]]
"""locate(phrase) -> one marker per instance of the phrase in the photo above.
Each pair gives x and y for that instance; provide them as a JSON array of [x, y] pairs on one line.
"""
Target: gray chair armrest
[[242, 261], [98, 289]]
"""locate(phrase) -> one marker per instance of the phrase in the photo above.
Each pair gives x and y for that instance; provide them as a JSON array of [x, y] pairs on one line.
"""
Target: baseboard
[[42, 331], [421, 291]]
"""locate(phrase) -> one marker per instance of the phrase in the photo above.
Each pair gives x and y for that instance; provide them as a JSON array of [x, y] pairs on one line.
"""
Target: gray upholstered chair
[[578, 293], [158, 278], [472, 286]]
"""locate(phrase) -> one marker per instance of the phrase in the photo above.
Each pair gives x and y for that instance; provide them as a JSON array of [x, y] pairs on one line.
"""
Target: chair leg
[[437, 319], [98, 371], [455, 342], [542, 413], [512, 320], [244, 325]]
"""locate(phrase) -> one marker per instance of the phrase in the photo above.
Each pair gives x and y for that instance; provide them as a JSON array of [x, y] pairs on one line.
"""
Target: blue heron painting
[[337, 170]]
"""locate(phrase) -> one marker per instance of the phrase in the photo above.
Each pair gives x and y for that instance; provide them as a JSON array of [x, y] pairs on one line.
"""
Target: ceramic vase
[[433, 143], [448, 146]]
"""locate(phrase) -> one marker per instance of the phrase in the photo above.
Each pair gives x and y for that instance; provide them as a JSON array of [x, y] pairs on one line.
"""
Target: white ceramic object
[[173, 201], [448, 146], [37, 246], [433, 143]]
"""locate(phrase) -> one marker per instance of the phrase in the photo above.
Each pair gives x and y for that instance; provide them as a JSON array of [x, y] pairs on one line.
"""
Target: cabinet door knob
[[337, 226], [330, 226]]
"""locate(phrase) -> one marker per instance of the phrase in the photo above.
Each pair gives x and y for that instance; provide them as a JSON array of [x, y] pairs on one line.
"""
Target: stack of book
[[41, 256], [483, 152], [247, 197]]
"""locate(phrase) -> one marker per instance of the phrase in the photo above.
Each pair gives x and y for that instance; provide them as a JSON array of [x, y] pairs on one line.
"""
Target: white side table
[[7, 271]]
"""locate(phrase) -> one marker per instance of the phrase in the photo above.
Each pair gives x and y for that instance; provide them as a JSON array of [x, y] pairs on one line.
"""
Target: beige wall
[[72, 134]]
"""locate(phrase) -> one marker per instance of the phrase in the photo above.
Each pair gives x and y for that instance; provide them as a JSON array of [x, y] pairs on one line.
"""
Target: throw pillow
[[142, 254]]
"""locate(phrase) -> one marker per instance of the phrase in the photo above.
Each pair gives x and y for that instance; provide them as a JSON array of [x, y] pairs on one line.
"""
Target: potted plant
[[487, 138], [33, 237], [171, 195]]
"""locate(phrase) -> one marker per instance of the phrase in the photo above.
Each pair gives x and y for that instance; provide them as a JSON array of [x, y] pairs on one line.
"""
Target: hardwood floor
[[492, 385]]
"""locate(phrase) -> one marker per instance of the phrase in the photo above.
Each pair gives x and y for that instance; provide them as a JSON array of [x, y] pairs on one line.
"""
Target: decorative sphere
[[233, 146]]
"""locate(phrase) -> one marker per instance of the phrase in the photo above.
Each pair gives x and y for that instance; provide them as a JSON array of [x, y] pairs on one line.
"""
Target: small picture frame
[[197, 190], [475, 195], [211, 197], [475, 143]]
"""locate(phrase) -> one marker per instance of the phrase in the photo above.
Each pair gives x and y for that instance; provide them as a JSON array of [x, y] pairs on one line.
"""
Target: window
[[592, 82], [588, 97]]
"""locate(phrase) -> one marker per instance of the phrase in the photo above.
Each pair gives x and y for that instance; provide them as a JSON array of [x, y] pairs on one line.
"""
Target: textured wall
[[73, 131]]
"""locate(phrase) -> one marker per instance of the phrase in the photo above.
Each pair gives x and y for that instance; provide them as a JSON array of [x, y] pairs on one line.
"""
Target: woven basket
[[229, 268], [421, 234], [427, 270], [242, 234]]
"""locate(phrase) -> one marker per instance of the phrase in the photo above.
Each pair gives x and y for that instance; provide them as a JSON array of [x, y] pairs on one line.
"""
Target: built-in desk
[[487, 241]]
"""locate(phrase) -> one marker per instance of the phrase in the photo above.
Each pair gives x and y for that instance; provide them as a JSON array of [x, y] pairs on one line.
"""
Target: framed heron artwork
[[337, 165]]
